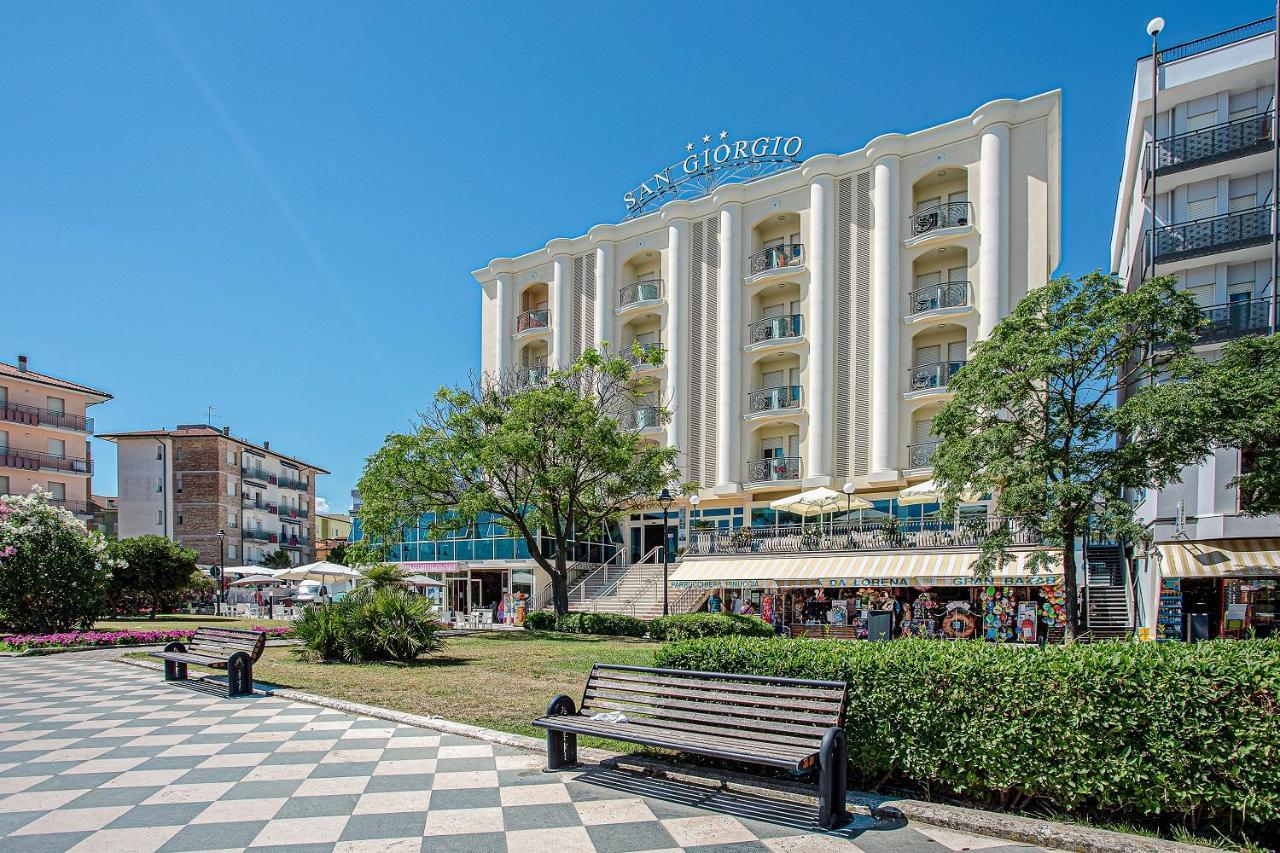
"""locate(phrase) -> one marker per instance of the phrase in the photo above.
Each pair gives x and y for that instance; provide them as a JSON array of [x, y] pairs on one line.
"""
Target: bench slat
[[831, 693], [727, 709], [212, 663], [747, 735], [597, 705], [726, 748], [828, 708]]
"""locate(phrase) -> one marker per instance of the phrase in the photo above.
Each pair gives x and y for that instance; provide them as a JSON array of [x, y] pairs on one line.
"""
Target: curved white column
[[993, 224], [820, 259], [885, 367], [606, 288], [561, 315], [505, 306], [676, 338], [729, 345]]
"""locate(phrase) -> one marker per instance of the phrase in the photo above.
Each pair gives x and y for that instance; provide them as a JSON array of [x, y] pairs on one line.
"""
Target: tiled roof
[[207, 432], [10, 370]]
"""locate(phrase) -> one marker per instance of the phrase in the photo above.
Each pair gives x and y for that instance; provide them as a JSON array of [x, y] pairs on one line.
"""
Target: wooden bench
[[234, 649], [790, 723]]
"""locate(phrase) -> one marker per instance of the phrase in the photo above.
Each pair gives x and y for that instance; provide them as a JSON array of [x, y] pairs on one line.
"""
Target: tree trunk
[[1070, 588], [560, 586]]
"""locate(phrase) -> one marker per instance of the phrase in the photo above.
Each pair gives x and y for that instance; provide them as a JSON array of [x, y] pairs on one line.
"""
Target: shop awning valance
[[1220, 558], [952, 568]]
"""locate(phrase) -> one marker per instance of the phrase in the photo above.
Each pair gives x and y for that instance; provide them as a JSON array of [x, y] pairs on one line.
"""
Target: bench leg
[[175, 670], [833, 779], [562, 747], [240, 675]]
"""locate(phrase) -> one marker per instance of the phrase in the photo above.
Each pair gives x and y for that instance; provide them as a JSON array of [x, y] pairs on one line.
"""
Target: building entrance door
[[652, 538]]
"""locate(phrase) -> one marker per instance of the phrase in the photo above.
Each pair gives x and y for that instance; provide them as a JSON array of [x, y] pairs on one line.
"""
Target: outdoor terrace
[[32, 416], [893, 534]]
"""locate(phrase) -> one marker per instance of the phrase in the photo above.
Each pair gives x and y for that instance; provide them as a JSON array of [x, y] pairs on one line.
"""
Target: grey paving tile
[[625, 837], [408, 753], [342, 768], [214, 836], [465, 798], [200, 776], [545, 816], [324, 806], [897, 840], [480, 842], [399, 825], [57, 842], [399, 782], [460, 765], [105, 797], [9, 821], [70, 781], [167, 814], [739, 847], [265, 790]]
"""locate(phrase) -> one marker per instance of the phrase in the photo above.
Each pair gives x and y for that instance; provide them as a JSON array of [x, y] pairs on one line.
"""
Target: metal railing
[[948, 294], [259, 474], [935, 375], [288, 512], [36, 460], [532, 377], [291, 483], [775, 257], [951, 214], [645, 290], [774, 468], [882, 535], [1212, 42], [775, 328], [77, 507], [773, 399], [641, 417], [577, 574], [295, 541], [252, 503], [1210, 144], [647, 357], [259, 535], [1213, 234], [539, 318], [920, 455], [33, 416]]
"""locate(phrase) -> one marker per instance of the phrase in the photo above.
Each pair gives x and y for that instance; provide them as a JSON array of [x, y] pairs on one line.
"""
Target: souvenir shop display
[[1054, 608], [839, 614], [766, 608], [957, 622], [1169, 615], [1027, 621]]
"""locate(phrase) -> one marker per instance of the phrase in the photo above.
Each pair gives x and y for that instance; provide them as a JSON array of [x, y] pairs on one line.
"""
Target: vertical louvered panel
[[861, 439], [844, 379], [589, 299], [575, 339], [697, 376], [711, 332]]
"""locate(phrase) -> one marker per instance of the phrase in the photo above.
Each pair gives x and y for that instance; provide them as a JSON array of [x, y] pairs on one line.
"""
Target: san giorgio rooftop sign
[[718, 163]]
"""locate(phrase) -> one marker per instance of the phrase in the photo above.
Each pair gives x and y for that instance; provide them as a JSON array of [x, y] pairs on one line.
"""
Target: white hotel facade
[[811, 318]]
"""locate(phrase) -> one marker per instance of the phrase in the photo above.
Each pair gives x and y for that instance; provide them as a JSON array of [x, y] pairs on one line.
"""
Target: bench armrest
[[175, 646], [561, 706]]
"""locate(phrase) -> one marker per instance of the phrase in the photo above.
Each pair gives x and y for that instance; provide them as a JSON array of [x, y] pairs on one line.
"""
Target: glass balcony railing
[[932, 376], [1213, 234], [948, 294], [776, 257], [528, 321], [32, 416], [35, 460], [261, 475], [641, 417], [952, 214], [774, 328], [647, 290], [773, 468], [253, 503], [1236, 138], [287, 482], [773, 399], [292, 513], [259, 536]]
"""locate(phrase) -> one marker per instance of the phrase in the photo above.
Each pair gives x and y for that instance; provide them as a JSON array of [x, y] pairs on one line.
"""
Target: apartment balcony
[[532, 377], [646, 359], [639, 294], [939, 219], [926, 378], [291, 483], [530, 323], [895, 534], [778, 399], [77, 507], [784, 258], [773, 331], [920, 455], [773, 469], [642, 418], [265, 506], [1212, 235], [295, 543], [260, 475], [260, 536], [1226, 141], [35, 460], [32, 416], [292, 513], [1235, 320], [938, 299]]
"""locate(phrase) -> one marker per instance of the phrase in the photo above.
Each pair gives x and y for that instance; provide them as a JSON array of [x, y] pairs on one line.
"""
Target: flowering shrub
[[122, 637], [53, 570]]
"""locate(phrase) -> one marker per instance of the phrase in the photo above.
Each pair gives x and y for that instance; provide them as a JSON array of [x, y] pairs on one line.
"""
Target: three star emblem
[[706, 138]]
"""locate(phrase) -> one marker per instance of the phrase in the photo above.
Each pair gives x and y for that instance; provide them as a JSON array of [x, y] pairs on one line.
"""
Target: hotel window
[[159, 484], [231, 488], [179, 518], [1242, 105], [1241, 282], [231, 551], [57, 447], [1202, 284], [231, 518], [57, 491], [1202, 113], [56, 405], [160, 516], [1243, 194], [177, 454], [1202, 200], [159, 451], [231, 456]]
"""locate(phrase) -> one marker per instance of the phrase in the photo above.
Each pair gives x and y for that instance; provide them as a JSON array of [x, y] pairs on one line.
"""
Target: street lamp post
[[222, 566], [665, 501], [1154, 26]]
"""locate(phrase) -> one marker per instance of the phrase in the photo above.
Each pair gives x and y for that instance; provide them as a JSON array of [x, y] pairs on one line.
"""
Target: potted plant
[[811, 537], [740, 539]]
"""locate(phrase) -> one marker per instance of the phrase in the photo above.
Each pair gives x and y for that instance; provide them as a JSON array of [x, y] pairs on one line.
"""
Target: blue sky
[[274, 208]]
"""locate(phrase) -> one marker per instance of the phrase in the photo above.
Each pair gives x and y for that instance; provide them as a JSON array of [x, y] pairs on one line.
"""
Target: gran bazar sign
[[717, 164]]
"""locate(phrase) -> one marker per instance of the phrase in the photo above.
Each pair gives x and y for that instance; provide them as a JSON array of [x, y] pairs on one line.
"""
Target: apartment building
[[195, 481], [44, 436], [812, 310], [331, 529], [1196, 202]]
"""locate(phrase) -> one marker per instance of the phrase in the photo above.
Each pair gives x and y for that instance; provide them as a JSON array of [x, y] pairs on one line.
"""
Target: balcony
[[251, 503], [532, 377], [291, 483], [1238, 138], [32, 416], [952, 214], [528, 322], [781, 257], [642, 418], [639, 293], [259, 536], [77, 507], [295, 542], [646, 359], [1235, 320], [35, 460], [784, 328], [1213, 234], [897, 534], [773, 469], [292, 513], [258, 474], [932, 377], [920, 455], [776, 399], [950, 294]]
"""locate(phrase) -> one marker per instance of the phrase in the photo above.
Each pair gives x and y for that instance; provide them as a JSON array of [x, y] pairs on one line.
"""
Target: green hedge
[[611, 624], [689, 626], [1180, 732], [540, 620]]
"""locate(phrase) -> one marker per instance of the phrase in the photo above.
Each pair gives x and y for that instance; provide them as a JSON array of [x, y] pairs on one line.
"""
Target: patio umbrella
[[322, 571], [255, 580], [928, 492], [422, 580], [819, 501]]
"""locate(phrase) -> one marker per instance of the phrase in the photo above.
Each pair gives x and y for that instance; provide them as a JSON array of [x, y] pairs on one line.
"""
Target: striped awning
[[1220, 558], [951, 568]]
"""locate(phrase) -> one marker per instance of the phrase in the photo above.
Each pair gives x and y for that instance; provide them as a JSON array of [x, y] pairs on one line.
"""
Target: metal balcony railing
[[77, 507], [251, 503], [948, 294], [775, 257], [641, 417], [35, 460], [775, 328], [952, 214], [1213, 234], [291, 483], [295, 541], [259, 535], [292, 513], [1217, 40], [259, 474], [773, 468], [1235, 320], [527, 321], [1210, 144], [32, 416], [647, 357], [936, 375], [646, 290], [896, 534], [532, 377], [920, 455], [773, 399]]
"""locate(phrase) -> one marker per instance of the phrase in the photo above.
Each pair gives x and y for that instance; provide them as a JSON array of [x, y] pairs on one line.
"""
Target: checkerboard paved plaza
[[99, 756]]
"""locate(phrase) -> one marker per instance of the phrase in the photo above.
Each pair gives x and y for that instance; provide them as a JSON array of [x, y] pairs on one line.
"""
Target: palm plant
[[380, 577]]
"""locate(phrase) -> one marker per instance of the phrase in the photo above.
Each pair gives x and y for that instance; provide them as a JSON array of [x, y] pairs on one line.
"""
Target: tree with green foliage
[[552, 462], [152, 569], [1062, 410], [338, 554], [278, 559]]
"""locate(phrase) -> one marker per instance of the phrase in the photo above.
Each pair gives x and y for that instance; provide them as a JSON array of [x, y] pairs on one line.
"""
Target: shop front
[[493, 593], [883, 596], [1218, 588]]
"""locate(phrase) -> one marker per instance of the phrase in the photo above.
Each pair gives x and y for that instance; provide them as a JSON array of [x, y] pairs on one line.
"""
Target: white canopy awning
[[322, 571], [819, 501]]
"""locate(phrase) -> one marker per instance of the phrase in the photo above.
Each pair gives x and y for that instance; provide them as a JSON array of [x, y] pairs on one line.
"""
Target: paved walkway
[[99, 756]]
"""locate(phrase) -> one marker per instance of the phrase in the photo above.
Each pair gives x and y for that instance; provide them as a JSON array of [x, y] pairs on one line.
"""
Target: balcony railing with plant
[[776, 257], [645, 290], [292, 513], [774, 328], [951, 214], [33, 416], [1235, 320], [889, 534], [645, 358], [255, 503], [527, 321], [773, 468], [1235, 138], [1213, 234], [948, 294], [773, 399], [36, 460], [931, 376]]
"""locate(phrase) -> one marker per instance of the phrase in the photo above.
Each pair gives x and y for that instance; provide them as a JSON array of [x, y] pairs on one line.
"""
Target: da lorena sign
[[702, 171]]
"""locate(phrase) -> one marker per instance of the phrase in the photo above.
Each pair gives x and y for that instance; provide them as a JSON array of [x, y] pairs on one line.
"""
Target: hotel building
[[44, 436], [191, 483], [1209, 177]]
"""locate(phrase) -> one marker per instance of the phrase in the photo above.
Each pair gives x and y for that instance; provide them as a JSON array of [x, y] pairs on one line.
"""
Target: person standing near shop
[[713, 602]]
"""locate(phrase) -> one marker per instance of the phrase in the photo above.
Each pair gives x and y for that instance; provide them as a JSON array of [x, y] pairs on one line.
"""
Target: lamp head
[[1155, 26], [848, 488], [695, 500], [665, 500]]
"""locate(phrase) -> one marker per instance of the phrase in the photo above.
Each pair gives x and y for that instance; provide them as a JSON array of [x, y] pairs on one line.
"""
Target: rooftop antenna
[[208, 415]]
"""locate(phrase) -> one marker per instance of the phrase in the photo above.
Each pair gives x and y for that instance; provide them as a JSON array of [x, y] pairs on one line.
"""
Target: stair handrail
[[541, 597], [611, 589]]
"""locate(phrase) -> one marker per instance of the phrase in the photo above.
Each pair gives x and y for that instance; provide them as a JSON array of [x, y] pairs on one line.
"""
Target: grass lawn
[[181, 622]]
